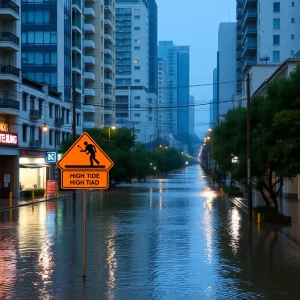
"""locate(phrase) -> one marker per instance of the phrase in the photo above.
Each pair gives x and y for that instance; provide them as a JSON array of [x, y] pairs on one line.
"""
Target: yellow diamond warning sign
[[85, 165]]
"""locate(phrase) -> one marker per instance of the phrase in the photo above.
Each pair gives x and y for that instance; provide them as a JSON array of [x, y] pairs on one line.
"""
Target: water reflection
[[169, 238]]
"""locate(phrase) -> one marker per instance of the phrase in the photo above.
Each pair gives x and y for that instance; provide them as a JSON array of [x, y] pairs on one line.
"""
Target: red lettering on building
[[8, 139]]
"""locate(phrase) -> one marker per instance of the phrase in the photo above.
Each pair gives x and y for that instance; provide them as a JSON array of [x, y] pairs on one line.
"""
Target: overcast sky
[[195, 23]]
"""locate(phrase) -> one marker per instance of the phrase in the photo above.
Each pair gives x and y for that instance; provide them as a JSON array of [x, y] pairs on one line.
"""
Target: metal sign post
[[81, 170]]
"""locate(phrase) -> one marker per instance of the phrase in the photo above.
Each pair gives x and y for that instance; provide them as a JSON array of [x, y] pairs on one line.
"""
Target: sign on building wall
[[8, 139]]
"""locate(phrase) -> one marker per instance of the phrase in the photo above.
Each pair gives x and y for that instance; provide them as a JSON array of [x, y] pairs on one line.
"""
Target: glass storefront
[[33, 173]]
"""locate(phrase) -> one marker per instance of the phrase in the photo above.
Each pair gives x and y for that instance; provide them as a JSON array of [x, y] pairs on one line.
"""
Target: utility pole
[[74, 125], [133, 134], [249, 148]]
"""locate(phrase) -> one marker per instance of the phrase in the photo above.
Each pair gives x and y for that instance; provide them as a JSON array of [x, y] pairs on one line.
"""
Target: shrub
[[233, 191], [269, 214], [37, 193]]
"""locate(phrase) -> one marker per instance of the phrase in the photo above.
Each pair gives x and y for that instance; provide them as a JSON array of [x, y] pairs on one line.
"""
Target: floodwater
[[168, 238]]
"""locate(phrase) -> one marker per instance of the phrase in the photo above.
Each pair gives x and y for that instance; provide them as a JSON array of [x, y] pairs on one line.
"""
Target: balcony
[[108, 66], [59, 121], [9, 10], [89, 44], [108, 96], [9, 42], [108, 80], [250, 47], [89, 60], [35, 144], [89, 75], [108, 111], [76, 66], [35, 114], [108, 37], [89, 12], [89, 28], [247, 63], [108, 51], [239, 13], [250, 17], [88, 123], [238, 45], [76, 25], [239, 3], [108, 22], [89, 108], [108, 7], [9, 73], [239, 35], [89, 92], [248, 4], [250, 31], [238, 55], [76, 4], [9, 104], [239, 66], [76, 45]]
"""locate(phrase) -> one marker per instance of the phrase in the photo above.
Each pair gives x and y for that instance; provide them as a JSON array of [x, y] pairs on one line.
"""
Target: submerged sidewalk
[[4, 203]]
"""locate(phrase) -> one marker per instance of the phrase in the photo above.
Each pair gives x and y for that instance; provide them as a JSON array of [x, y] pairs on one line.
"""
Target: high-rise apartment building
[[168, 52], [152, 46], [226, 66], [183, 90], [214, 106], [134, 105], [266, 31], [162, 99], [99, 59]]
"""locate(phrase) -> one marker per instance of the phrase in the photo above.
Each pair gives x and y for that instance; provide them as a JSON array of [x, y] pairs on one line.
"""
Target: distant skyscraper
[[168, 52], [162, 99], [183, 90], [192, 115], [226, 66], [152, 46], [134, 104]]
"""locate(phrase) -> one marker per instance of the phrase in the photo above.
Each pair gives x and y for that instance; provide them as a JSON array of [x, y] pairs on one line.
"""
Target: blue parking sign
[[50, 157]]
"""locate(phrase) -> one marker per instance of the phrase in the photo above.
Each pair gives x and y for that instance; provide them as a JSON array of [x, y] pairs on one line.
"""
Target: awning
[[34, 166]]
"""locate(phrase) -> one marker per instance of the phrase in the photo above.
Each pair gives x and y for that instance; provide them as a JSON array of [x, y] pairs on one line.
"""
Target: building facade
[[183, 90], [192, 115], [162, 98], [134, 104], [266, 31], [168, 52], [214, 106], [226, 67]]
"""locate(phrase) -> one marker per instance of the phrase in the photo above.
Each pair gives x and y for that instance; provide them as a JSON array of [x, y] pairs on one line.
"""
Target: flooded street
[[169, 238]]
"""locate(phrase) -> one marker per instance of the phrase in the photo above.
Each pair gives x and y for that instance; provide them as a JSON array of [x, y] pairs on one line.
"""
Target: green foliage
[[233, 191], [270, 214], [131, 160], [37, 193], [275, 122]]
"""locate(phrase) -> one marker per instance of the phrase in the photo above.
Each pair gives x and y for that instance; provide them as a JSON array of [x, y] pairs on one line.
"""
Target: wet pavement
[[169, 238]]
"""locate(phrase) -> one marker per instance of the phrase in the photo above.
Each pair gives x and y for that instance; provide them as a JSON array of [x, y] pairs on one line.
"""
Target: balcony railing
[[76, 64], [35, 114], [76, 43], [59, 121], [76, 2], [9, 4], [7, 69], [9, 37], [76, 22], [9, 103]]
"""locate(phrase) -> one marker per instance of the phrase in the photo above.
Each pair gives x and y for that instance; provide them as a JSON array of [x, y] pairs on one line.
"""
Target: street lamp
[[112, 127], [44, 128]]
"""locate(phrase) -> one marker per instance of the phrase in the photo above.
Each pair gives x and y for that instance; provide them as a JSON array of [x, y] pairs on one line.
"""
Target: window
[[137, 41], [137, 106], [137, 48], [292, 53], [136, 10], [276, 39], [51, 110], [78, 119], [137, 98], [24, 102], [41, 106], [276, 23], [276, 7], [51, 137], [137, 67], [136, 61], [137, 28], [276, 56], [292, 36], [137, 17], [68, 116], [137, 80], [293, 4], [137, 115], [292, 20], [24, 132]]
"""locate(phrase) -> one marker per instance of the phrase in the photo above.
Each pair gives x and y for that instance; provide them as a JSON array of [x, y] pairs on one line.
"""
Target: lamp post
[[112, 127]]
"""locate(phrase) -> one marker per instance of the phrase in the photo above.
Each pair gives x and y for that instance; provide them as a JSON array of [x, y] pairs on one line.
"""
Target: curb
[[36, 202]]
